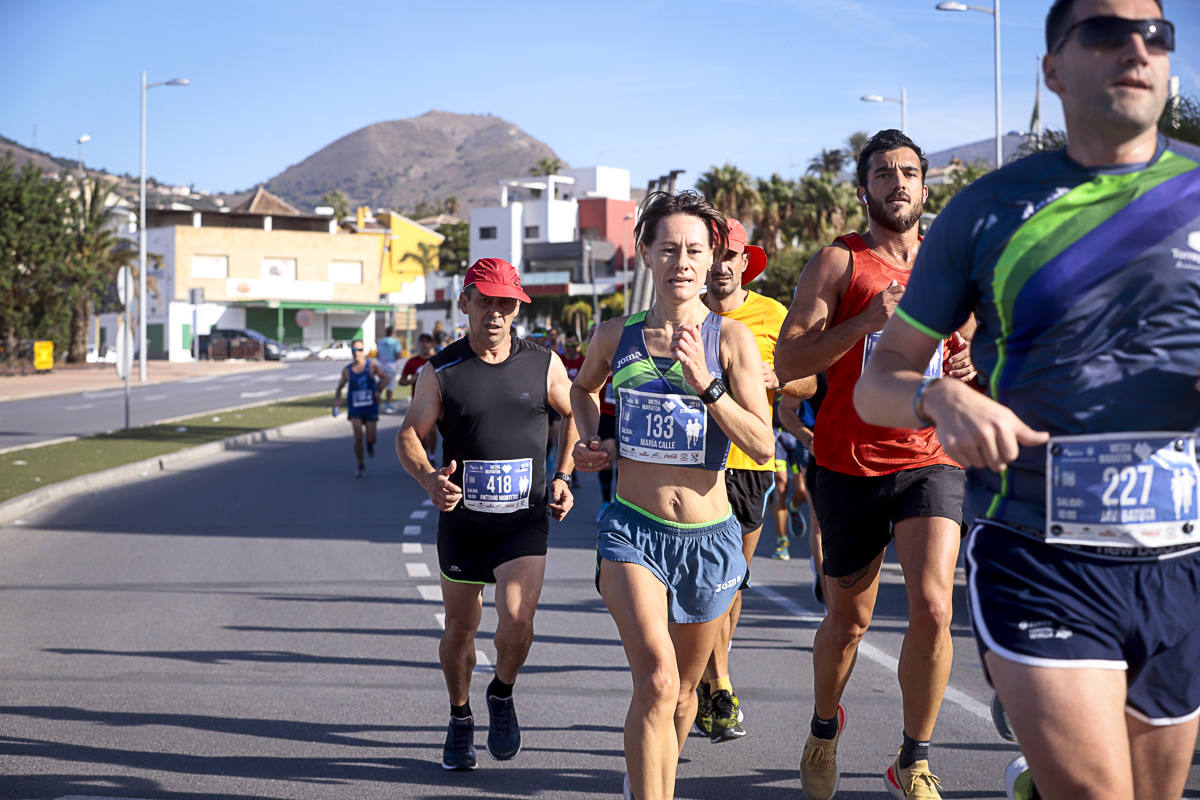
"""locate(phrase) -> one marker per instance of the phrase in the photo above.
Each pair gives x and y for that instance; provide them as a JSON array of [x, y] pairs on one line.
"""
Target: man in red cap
[[489, 394], [748, 483]]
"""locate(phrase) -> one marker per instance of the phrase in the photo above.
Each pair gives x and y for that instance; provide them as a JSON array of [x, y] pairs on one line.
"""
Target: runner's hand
[[688, 349], [975, 430], [561, 500], [769, 377], [444, 494], [883, 305], [594, 455], [958, 360]]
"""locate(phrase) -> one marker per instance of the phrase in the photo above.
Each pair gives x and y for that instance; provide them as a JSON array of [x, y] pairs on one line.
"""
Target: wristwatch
[[562, 476], [713, 392]]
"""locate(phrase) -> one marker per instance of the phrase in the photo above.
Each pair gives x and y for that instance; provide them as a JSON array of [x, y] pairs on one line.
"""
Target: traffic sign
[[124, 349], [124, 284]]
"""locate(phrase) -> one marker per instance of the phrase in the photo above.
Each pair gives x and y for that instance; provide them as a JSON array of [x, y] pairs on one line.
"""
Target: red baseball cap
[[738, 243], [495, 277]]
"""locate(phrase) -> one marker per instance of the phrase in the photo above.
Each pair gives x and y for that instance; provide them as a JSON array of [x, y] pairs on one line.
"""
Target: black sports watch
[[713, 392], [562, 476]]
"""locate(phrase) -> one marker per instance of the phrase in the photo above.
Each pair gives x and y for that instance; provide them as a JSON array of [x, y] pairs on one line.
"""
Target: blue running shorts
[[701, 564], [1051, 606]]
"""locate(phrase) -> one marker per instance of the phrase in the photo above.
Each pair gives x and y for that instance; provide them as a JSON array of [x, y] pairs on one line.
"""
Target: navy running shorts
[[1050, 606], [748, 490], [857, 513], [369, 414], [471, 545], [700, 564]]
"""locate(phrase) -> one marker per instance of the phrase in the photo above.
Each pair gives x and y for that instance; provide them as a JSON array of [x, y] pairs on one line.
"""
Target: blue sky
[[655, 86]]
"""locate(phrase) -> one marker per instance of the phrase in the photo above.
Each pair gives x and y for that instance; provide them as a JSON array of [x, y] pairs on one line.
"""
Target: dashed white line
[[412, 530], [411, 548], [263, 393], [294, 378], [441, 619], [427, 502], [417, 569], [419, 514], [152, 398], [81, 407], [481, 662], [429, 591], [99, 395]]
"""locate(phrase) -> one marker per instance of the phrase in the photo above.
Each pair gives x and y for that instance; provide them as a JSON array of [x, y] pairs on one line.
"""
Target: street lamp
[[995, 12], [142, 229], [82, 140], [902, 100]]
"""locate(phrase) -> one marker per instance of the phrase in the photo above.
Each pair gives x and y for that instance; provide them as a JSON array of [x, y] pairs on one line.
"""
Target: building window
[[210, 266], [487, 232], [279, 269], [345, 271], [531, 231]]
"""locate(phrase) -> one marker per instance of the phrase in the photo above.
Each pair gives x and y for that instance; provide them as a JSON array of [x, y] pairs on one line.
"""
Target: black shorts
[[608, 427], [857, 513], [471, 545], [748, 490]]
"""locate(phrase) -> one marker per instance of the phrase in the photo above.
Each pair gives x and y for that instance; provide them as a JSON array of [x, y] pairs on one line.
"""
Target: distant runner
[[366, 380]]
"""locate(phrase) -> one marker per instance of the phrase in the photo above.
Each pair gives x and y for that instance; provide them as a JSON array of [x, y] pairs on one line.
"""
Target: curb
[[16, 508]]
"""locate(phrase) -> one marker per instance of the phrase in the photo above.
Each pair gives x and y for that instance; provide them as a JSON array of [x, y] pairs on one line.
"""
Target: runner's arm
[[558, 391], [789, 419], [337, 393], [975, 430], [807, 345], [589, 453], [380, 373], [800, 389]]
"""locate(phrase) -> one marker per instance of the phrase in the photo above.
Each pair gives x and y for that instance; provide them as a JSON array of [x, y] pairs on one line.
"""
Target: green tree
[[426, 256], [1181, 120], [777, 201], [1048, 140], [827, 162], [456, 247], [958, 178], [450, 205], [577, 315], [855, 143], [547, 166], [338, 201], [779, 281], [731, 191], [34, 248]]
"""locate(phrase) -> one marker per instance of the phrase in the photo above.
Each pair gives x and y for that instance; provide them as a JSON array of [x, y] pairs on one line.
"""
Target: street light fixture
[[995, 12], [142, 229], [902, 100], [82, 140]]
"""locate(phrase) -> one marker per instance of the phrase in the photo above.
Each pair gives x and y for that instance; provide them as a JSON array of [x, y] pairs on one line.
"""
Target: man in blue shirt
[[388, 349], [1082, 267]]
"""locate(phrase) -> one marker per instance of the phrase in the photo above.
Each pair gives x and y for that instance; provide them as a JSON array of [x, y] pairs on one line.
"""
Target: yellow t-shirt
[[764, 317]]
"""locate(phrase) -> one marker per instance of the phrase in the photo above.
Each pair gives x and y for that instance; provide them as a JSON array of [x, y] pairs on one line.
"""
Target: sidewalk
[[70, 378]]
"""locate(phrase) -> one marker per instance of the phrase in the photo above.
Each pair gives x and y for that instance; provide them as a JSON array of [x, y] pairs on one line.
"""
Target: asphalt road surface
[[38, 419], [266, 626]]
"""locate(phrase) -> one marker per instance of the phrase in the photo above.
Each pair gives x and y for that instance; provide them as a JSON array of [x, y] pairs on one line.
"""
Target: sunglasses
[[1112, 33], [357, 349]]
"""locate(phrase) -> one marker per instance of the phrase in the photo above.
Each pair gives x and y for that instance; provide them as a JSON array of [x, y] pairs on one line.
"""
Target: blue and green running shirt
[[1086, 286]]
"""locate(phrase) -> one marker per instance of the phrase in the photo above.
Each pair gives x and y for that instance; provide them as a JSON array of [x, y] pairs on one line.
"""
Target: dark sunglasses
[[1112, 33], [357, 349]]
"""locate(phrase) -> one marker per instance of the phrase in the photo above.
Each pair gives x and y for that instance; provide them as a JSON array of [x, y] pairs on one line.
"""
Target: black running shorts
[[471, 545], [857, 513], [748, 490]]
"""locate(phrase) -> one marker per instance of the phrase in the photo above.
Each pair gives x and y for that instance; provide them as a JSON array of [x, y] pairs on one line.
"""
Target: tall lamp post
[[995, 12], [142, 229], [81, 141], [902, 100]]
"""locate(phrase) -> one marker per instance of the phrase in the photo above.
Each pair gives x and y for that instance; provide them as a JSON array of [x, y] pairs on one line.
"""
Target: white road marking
[[417, 569], [427, 502], [873, 653], [214, 388], [294, 378], [441, 619], [419, 514], [481, 662], [263, 393], [81, 407], [153, 398], [197, 380], [411, 548], [412, 530], [99, 395], [429, 591]]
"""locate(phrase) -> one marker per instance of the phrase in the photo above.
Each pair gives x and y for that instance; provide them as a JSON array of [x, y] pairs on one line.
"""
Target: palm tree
[[855, 143], [547, 166], [428, 257], [577, 314], [338, 201], [827, 162], [450, 204], [777, 200], [731, 191]]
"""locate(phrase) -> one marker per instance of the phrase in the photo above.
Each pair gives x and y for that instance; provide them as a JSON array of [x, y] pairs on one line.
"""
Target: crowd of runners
[[1020, 384]]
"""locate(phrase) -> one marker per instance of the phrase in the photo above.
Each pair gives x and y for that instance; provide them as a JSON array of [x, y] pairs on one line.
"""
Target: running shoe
[[1000, 720], [362, 472], [371, 449], [459, 752], [1018, 781], [725, 725], [818, 764], [737, 704], [818, 589], [704, 710], [914, 782], [798, 518], [504, 734], [781, 549]]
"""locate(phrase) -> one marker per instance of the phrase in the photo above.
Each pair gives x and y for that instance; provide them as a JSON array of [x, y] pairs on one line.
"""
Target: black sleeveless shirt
[[494, 412]]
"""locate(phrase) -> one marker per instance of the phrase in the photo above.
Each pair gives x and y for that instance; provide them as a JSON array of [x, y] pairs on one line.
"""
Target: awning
[[316, 306]]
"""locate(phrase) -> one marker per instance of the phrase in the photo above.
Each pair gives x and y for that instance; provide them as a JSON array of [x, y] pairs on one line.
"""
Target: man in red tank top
[[875, 483]]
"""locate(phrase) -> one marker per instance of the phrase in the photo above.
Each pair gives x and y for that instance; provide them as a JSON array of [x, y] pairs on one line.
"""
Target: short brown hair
[[657, 206]]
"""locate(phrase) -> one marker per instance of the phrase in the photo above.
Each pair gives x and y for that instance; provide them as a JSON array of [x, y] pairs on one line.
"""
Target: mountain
[[43, 161], [398, 164]]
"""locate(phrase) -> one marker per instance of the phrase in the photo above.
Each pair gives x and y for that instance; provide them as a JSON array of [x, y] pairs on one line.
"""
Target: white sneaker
[[628, 791], [1018, 781]]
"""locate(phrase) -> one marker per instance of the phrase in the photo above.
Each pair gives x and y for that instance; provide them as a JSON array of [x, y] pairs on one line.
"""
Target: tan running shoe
[[914, 783], [818, 764]]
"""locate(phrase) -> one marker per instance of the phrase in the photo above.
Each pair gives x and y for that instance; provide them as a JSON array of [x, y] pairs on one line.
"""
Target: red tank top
[[842, 442]]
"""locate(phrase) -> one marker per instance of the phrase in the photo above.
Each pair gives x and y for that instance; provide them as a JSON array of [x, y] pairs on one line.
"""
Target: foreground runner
[[874, 483], [1083, 266], [747, 482], [489, 394], [670, 557], [366, 380]]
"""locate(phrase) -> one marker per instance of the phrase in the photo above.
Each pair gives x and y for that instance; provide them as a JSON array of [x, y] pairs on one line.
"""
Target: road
[[266, 626], [38, 419]]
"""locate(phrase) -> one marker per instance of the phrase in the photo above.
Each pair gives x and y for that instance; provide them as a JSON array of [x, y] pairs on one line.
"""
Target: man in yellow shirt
[[749, 483]]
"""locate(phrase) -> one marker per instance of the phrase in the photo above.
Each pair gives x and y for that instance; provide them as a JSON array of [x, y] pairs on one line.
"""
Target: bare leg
[[850, 603], [927, 548], [357, 425], [370, 426], [693, 643], [779, 510], [1161, 756], [718, 662], [518, 586], [463, 603]]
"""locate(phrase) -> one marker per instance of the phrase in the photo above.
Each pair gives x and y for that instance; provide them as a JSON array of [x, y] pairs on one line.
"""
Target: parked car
[[242, 343], [337, 351], [297, 352]]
